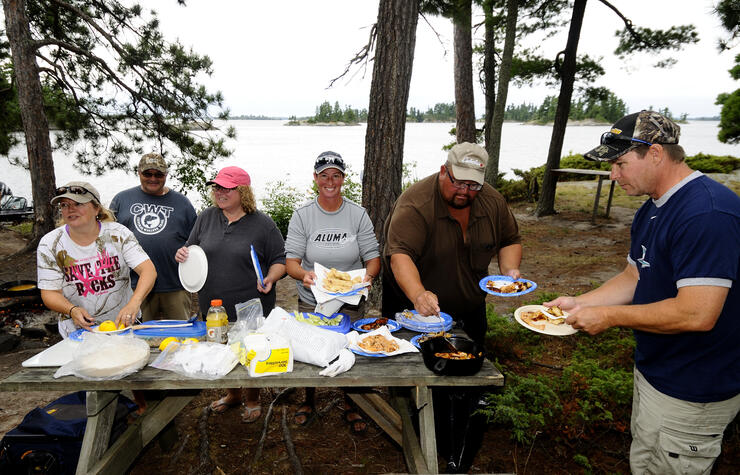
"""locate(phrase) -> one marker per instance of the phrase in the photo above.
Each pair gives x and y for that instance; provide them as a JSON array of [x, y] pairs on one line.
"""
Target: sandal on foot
[[251, 414], [222, 405], [308, 416], [358, 424]]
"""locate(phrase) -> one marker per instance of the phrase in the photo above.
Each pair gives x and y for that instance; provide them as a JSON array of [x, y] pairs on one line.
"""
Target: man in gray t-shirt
[[161, 220]]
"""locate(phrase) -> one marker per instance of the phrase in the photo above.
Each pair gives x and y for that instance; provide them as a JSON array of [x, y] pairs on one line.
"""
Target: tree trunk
[[489, 76], [386, 117], [504, 75], [464, 98], [546, 204], [35, 124]]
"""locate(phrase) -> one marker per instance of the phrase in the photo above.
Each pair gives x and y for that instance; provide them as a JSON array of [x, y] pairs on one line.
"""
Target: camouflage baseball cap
[[152, 161], [631, 131]]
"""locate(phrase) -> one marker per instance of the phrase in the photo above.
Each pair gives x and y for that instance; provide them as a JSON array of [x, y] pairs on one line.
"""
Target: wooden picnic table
[[602, 174], [406, 374]]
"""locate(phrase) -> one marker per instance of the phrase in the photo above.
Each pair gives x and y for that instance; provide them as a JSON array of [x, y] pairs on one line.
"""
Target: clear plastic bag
[[249, 318], [205, 360], [106, 357]]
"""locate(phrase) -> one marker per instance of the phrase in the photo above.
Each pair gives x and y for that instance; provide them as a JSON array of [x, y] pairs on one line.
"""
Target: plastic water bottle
[[217, 323]]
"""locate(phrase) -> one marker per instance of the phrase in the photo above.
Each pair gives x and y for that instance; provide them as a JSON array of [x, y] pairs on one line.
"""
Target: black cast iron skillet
[[6, 288]]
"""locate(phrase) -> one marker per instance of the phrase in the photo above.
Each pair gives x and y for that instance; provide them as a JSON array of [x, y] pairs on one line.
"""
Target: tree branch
[[362, 56]]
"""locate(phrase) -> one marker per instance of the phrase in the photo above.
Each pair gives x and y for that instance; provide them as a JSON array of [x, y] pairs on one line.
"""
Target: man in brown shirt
[[440, 238]]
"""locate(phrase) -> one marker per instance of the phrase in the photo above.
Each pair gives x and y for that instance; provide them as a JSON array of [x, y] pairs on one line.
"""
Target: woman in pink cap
[[225, 232]]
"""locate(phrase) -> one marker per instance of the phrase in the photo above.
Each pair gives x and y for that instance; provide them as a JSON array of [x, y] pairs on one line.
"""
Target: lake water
[[270, 151]]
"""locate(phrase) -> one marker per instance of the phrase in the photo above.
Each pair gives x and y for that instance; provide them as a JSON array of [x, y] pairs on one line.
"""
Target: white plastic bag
[[105, 357], [249, 317], [205, 360], [310, 344]]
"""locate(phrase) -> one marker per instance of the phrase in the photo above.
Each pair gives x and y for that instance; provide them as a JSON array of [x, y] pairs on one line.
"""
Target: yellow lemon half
[[107, 326], [190, 341], [166, 342], [121, 326]]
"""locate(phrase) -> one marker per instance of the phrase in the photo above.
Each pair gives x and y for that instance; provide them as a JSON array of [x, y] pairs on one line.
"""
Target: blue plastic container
[[344, 322]]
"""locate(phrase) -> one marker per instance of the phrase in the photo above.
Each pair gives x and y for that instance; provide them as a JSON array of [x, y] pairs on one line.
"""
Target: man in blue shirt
[[161, 219], [679, 293]]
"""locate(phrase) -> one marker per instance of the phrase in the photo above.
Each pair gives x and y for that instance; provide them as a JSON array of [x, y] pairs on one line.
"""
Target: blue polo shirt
[[690, 236]]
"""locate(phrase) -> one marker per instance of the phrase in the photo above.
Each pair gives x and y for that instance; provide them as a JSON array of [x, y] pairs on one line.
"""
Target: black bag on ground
[[48, 440]]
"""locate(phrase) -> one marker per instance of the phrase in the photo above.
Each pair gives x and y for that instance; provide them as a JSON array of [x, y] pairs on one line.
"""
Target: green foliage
[[441, 112], [526, 405], [638, 39], [112, 81], [706, 163], [408, 175], [280, 203], [24, 228], [599, 104], [729, 122], [582, 460], [326, 113]]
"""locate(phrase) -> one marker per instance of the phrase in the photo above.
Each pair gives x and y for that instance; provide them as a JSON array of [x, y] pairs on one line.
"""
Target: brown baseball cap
[[152, 161]]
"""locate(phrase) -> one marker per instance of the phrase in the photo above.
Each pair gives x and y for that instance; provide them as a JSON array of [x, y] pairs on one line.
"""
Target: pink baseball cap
[[231, 177]]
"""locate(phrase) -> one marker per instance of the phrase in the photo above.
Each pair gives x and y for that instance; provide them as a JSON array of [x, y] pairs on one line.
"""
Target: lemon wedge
[[166, 342], [107, 326]]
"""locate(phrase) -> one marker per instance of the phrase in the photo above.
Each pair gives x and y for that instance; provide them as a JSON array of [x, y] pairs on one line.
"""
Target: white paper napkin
[[322, 296]]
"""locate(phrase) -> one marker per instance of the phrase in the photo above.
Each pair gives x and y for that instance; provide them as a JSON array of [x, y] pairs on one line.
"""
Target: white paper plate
[[194, 271], [550, 329]]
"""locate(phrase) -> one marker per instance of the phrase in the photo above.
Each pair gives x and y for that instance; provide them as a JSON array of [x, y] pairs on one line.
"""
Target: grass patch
[[24, 228]]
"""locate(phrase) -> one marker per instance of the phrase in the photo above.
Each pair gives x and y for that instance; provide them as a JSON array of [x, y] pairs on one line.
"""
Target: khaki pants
[[166, 305], [670, 435]]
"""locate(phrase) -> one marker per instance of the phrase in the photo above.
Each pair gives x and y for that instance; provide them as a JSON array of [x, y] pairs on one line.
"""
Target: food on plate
[[407, 314], [511, 288], [377, 344], [167, 342], [433, 335], [374, 325], [317, 320], [107, 326], [556, 311], [337, 281], [537, 319], [455, 355]]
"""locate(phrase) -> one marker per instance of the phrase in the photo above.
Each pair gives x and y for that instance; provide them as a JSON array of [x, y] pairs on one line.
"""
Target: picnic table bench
[[406, 374], [602, 174]]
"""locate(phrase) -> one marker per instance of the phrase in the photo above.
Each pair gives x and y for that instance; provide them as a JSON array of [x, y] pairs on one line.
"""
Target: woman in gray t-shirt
[[335, 232]]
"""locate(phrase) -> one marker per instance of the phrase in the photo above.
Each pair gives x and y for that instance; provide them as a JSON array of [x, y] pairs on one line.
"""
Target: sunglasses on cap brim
[[611, 139], [75, 190]]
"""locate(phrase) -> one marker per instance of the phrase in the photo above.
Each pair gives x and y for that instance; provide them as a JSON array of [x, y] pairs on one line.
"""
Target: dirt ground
[[564, 254]]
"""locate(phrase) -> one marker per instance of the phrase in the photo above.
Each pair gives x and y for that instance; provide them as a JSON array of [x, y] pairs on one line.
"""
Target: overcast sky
[[276, 57]]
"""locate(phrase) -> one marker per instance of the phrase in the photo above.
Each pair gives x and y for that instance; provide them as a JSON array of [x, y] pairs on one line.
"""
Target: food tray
[[421, 327], [343, 327], [155, 336]]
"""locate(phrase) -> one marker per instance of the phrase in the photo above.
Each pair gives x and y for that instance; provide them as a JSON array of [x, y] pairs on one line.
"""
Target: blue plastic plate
[[256, 263], [392, 324], [504, 278], [344, 324], [372, 355], [422, 327]]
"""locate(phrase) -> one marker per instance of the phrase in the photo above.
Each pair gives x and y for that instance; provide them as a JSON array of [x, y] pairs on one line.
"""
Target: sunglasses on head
[[329, 160], [216, 187], [610, 138], [149, 174], [74, 189]]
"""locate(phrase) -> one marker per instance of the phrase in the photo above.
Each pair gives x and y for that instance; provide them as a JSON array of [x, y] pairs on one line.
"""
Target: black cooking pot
[[19, 288], [446, 366]]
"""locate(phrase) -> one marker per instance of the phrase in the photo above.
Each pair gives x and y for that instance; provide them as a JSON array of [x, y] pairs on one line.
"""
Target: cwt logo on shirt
[[149, 218], [332, 238]]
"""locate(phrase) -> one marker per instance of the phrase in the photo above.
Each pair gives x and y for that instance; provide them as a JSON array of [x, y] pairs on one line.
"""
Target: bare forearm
[[406, 275], [293, 266], [147, 277], [509, 260], [372, 267], [275, 272]]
